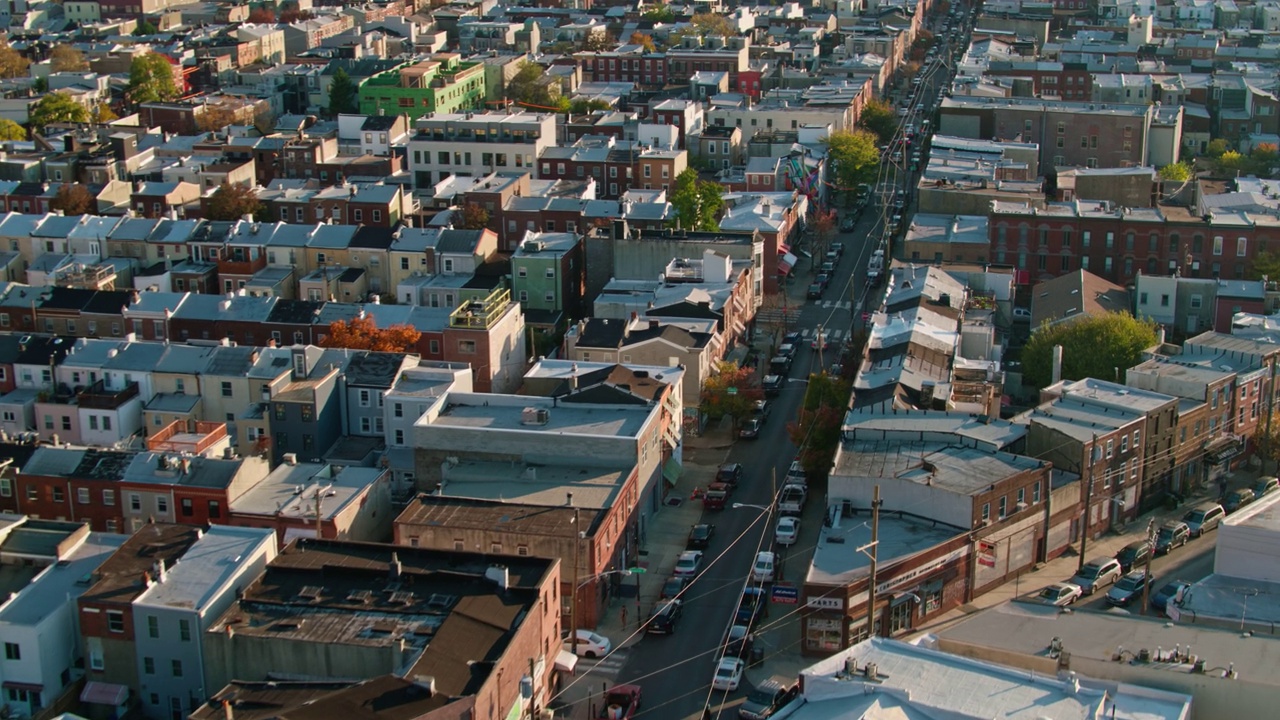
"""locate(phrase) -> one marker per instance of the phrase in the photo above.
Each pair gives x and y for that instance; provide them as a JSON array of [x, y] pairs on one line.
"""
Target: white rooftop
[[59, 583], [290, 491], [199, 576], [836, 560]]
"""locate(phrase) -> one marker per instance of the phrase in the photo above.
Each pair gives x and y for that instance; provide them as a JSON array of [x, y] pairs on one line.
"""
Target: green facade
[[454, 87]]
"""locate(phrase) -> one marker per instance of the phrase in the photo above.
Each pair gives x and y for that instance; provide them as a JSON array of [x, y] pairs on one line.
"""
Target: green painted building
[[441, 84]]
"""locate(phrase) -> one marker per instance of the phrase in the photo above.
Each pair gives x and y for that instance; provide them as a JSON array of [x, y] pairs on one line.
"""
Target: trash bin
[[757, 657]]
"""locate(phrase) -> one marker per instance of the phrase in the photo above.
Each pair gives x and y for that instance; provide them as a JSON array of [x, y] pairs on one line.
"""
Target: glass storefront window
[[822, 634]]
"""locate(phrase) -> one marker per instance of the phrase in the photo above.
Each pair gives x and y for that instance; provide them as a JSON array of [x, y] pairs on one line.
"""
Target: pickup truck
[[796, 475], [750, 606], [622, 703], [792, 500], [716, 497], [875, 268]]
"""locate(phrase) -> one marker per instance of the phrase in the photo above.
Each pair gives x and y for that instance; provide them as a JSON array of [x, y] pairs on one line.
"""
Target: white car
[[1060, 594], [588, 644], [788, 530], [688, 563], [728, 674]]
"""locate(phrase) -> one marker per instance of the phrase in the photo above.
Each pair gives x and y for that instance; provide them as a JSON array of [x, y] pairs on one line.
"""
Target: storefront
[[909, 592]]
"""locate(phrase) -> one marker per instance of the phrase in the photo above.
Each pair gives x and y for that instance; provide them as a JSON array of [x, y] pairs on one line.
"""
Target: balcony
[[98, 397], [239, 264], [481, 314]]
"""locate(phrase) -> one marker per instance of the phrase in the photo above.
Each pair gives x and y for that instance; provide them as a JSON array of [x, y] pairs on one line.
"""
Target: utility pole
[[1088, 497], [573, 599], [1151, 543], [319, 523], [875, 540], [821, 365]]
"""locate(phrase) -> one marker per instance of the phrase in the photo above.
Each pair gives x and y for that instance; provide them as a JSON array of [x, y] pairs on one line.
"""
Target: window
[[986, 511], [93, 422], [215, 509], [188, 507], [135, 502], [82, 496], [1022, 497], [1111, 445], [184, 630], [149, 666], [153, 626], [1217, 245], [109, 497], [467, 347], [1241, 247], [226, 389], [6, 487], [115, 621], [1004, 506], [59, 496], [162, 504], [399, 437], [12, 651]]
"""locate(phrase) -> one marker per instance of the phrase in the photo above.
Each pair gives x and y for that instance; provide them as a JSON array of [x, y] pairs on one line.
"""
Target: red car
[[622, 703]]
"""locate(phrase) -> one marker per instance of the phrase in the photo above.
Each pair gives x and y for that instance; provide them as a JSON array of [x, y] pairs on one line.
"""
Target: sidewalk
[[783, 656]]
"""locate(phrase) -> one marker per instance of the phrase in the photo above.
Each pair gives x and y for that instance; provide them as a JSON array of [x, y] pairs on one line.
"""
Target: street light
[[597, 576]]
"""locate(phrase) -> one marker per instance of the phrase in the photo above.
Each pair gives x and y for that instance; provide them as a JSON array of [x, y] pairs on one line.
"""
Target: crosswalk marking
[[610, 665], [839, 305]]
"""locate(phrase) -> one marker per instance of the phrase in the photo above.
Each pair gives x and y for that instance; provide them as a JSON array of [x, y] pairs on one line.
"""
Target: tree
[[703, 25], [1267, 443], [646, 41], [697, 202], [102, 113], [1093, 346], [598, 42], [57, 107], [74, 199], [584, 106], [855, 156], [731, 390], [824, 230], [473, 217], [10, 130], [264, 120], [146, 27], [817, 431], [526, 86], [215, 117], [878, 117], [659, 14], [232, 202], [1229, 163], [65, 58], [342, 94], [12, 63], [1176, 172], [151, 79], [1265, 263], [1263, 159], [293, 15], [362, 333], [1216, 148], [262, 15]]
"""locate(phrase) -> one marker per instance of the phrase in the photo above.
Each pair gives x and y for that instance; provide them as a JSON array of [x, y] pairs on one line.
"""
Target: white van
[[763, 570]]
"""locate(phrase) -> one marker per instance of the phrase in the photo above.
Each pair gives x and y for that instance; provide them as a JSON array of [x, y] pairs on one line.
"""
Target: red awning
[[785, 263], [101, 693], [783, 248]]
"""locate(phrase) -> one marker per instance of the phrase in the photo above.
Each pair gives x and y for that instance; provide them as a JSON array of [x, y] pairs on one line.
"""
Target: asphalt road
[[676, 670], [1192, 562]]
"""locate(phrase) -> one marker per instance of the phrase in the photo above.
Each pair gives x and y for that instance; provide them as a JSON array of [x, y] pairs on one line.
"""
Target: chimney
[[499, 574], [654, 323], [426, 682], [226, 707], [1056, 377], [395, 568], [161, 573]]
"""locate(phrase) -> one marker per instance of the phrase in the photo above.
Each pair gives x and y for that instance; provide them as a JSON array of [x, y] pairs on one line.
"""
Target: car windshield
[[1089, 571], [761, 696], [1050, 592], [1164, 534], [1129, 584], [1171, 589], [1194, 516]]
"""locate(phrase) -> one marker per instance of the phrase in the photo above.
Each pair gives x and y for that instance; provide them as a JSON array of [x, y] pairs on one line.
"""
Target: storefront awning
[[739, 328], [671, 471], [29, 687], [785, 263], [102, 693], [566, 662], [1224, 448]]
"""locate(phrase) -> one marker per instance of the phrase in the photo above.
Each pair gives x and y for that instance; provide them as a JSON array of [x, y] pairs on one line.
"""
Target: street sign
[[732, 391], [637, 570], [785, 594]]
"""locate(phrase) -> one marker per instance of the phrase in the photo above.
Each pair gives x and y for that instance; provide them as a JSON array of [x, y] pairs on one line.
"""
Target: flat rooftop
[[506, 414], [956, 468], [290, 491], [917, 682], [60, 583], [928, 425], [836, 560], [542, 485], [205, 567]]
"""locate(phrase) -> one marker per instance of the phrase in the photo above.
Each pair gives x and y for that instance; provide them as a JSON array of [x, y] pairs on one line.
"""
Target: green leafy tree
[[232, 202], [583, 106], [817, 430], [342, 94], [12, 63], [731, 390], [151, 79], [697, 202], [1263, 159], [855, 156], [473, 217], [57, 107], [1093, 346], [1230, 163], [10, 130], [878, 117], [526, 86], [1267, 442], [598, 42], [643, 40], [146, 27], [659, 14], [1216, 148], [1176, 172], [704, 25], [1265, 263]]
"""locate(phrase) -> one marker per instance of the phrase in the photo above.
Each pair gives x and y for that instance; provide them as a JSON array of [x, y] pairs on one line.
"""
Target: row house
[[302, 156], [733, 58], [1117, 243], [477, 144], [627, 63], [1048, 79], [616, 166]]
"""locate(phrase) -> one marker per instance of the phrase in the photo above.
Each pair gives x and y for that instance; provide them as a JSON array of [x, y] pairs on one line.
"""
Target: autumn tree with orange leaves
[[364, 334]]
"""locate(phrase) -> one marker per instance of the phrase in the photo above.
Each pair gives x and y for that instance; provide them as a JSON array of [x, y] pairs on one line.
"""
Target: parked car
[[793, 338], [815, 291], [588, 644], [1266, 485], [1133, 555], [768, 698], [753, 602], [728, 674], [700, 536], [828, 268], [788, 530], [688, 563], [826, 343], [673, 587], [1203, 518], [1021, 315], [1097, 574], [729, 474], [1172, 534], [796, 474], [773, 384], [1237, 499], [750, 429], [1060, 594], [716, 496], [1165, 595], [823, 279], [837, 247], [1128, 588], [789, 349], [622, 703], [780, 366], [665, 617], [763, 569], [848, 223], [738, 641]]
